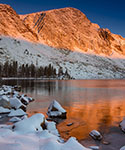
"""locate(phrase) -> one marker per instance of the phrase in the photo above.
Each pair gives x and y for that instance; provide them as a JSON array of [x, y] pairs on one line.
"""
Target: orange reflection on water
[[98, 116]]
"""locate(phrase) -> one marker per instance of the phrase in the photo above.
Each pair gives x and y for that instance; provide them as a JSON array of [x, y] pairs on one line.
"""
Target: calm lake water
[[90, 104]]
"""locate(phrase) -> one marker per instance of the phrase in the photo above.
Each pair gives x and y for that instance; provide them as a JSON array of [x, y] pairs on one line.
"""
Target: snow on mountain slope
[[79, 65]]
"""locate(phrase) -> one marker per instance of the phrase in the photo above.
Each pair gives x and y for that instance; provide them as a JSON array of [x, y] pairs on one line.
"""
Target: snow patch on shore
[[23, 135]]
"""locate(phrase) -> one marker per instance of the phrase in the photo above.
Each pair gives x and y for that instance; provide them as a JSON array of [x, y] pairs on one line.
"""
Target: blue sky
[[107, 13]]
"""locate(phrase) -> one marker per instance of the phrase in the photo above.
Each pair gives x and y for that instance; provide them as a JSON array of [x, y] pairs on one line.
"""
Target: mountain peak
[[12, 25], [64, 28]]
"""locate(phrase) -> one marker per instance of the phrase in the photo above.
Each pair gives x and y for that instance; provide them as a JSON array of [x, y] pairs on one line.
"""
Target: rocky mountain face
[[66, 28], [11, 24]]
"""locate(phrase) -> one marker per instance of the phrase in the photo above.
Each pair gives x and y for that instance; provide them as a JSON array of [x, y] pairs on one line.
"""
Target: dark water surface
[[90, 104]]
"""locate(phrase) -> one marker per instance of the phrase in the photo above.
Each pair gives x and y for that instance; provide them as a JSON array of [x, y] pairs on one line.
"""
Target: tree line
[[12, 69]]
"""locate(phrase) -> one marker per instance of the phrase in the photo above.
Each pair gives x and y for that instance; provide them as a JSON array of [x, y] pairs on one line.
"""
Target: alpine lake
[[90, 105]]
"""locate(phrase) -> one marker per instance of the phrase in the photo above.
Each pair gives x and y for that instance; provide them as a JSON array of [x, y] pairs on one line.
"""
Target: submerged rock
[[95, 135], [69, 124], [55, 110], [106, 142]]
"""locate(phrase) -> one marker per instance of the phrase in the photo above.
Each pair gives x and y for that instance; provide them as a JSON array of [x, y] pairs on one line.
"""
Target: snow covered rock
[[1, 92], [4, 110], [122, 148], [16, 94], [55, 110], [52, 144], [95, 135], [94, 147], [51, 126], [7, 89], [45, 134], [18, 112], [41, 141], [122, 125], [4, 101], [17, 88], [29, 125], [15, 119], [72, 144], [25, 99], [17, 104]]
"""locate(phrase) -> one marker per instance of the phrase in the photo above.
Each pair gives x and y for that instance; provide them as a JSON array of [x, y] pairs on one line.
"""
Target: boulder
[[7, 89], [4, 110], [15, 103], [122, 148], [55, 110], [15, 119], [18, 112], [51, 127], [30, 125], [1, 92], [4, 102], [94, 147], [95, 135], [17, 88], [25, 99], [122, 125]]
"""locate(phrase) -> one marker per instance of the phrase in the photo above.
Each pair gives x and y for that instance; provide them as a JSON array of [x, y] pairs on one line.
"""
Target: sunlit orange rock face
[[66, 28], [12, 25]]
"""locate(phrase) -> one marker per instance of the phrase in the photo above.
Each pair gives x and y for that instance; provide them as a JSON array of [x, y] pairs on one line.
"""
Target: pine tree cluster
[[12, 69]]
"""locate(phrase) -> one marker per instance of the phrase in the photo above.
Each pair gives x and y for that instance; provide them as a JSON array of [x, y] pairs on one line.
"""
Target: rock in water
[[122, 148], [122, 125], [69, 124], [17, 104], [95, 135], [4, 101], [4, 110], [15, 119], [94, 147], [18, 112], [55, 110]]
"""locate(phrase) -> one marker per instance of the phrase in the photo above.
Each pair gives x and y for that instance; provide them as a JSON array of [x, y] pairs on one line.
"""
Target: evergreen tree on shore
[[12, 69]]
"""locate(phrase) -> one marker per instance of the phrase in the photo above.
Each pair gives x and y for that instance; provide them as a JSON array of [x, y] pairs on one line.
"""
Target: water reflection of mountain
[[91, 104]]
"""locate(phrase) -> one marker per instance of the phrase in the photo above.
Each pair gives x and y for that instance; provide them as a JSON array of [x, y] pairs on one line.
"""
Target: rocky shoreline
[[18, 131], [16, 124]]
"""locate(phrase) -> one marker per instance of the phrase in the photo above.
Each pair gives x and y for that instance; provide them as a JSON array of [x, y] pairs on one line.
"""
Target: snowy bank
[[35, 132], [29, 134]]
